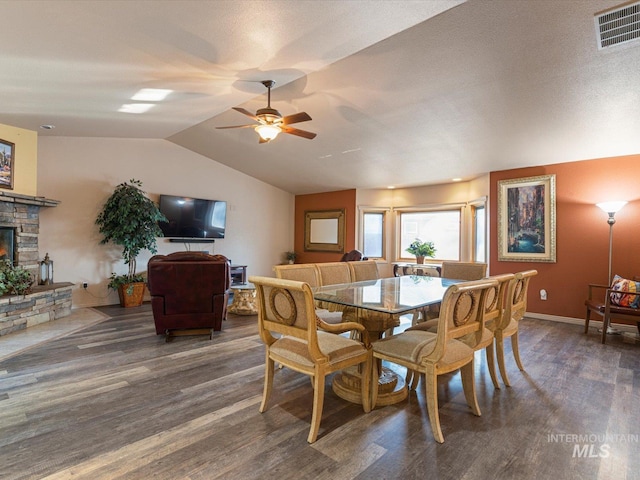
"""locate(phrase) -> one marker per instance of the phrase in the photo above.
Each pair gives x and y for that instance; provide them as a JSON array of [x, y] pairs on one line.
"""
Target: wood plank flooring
[[114, 401]]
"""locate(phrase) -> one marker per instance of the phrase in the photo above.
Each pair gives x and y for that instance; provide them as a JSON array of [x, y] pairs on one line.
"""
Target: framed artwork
[[527, 219], [324, 231], [7, 152]]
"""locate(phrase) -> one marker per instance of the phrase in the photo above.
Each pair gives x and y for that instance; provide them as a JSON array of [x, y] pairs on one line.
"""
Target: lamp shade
[[268, 132], [611, 207]]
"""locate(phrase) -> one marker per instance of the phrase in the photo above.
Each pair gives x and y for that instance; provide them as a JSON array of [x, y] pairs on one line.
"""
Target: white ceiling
[[401, 92]]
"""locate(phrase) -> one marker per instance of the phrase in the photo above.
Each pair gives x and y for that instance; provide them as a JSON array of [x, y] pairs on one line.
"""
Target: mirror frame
[[313, 218]]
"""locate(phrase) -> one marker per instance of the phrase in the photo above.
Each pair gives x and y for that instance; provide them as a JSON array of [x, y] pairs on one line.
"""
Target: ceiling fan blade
[[237, 126], [298, 132], [246, 112], [296, 118]]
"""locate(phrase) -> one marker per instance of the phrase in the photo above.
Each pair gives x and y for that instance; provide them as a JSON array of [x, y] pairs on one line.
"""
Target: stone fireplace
[[19, 229], [19, 219]]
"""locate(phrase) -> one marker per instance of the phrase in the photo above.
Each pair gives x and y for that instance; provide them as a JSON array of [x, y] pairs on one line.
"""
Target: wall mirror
[[324, 231]]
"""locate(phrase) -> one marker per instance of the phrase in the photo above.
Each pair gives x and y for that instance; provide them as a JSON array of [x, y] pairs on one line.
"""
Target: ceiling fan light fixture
[[268, 132]]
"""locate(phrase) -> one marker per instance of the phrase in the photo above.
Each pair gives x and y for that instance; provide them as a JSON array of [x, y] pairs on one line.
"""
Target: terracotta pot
[[420, 259], [131, 294]]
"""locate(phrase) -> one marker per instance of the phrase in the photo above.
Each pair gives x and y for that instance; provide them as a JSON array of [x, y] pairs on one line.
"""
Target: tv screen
[[193, 217]]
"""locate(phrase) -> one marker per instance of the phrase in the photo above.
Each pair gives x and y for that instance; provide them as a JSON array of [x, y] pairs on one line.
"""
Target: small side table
[[244, 300]]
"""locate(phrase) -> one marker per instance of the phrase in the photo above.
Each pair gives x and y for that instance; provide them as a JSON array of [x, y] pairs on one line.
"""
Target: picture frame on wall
[[527, 219], [7, 154]]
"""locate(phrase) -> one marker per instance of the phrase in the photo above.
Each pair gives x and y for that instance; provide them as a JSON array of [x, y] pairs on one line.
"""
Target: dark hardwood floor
[[113, 400]]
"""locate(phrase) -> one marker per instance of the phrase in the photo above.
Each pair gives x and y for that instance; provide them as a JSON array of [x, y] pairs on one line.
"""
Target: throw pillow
[[620, 284]]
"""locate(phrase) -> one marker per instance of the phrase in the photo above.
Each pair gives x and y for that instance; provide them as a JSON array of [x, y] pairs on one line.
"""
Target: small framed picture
[[7, 153], [527, 219]]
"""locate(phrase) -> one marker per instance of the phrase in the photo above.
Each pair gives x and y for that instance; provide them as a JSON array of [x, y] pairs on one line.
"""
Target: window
[[479, 234], [373, 234], [442, 227]]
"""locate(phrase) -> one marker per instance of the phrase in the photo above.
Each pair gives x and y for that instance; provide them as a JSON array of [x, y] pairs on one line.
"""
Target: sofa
[[189, 292]]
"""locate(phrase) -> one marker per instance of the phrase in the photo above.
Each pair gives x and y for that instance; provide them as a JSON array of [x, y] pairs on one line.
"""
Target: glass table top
[[393, 295]]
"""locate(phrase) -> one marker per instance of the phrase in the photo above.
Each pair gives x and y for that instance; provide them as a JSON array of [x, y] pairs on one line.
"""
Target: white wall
[[82, 172]]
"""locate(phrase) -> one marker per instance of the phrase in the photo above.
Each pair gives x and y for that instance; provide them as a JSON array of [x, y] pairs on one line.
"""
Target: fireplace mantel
[[10, 197]]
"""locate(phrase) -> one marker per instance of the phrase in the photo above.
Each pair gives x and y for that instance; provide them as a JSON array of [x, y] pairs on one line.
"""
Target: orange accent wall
[[582, 232], [345, 199]]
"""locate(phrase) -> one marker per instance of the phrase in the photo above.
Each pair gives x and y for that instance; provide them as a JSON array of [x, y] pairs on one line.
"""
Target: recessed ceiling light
[[456, 179], [391, 187], [135, 107], [47, 127], [151, 94]]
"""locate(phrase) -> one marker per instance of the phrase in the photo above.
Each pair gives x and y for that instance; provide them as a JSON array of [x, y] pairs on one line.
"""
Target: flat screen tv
[[193, 217]]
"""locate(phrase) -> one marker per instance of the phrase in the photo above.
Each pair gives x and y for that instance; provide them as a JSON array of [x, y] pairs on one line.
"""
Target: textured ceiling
[[401, 93]]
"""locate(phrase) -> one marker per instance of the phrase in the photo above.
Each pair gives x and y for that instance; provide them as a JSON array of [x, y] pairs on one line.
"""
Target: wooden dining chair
[[507, 326], [296, 338], [434, 354], [493, 310]]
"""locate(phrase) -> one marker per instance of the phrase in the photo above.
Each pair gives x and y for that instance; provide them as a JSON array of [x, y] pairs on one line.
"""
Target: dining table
[[378, 304]]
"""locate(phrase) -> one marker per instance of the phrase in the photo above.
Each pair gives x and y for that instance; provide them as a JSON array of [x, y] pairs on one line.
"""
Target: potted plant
[[14, 280], [130, 219], [421, 249], [291, 257]]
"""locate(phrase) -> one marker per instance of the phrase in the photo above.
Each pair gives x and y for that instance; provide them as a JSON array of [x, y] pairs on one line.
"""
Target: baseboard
[[579, 321]]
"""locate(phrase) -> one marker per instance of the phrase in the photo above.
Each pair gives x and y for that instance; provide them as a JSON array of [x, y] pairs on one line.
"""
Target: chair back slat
[[516, 301], [496, 298], [300, 272], [464, 270], [332, 273], [286, 307], [462, 312], [364, 270]]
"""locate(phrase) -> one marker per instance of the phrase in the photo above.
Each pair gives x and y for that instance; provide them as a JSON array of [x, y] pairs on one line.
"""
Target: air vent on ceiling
[[621, 25]]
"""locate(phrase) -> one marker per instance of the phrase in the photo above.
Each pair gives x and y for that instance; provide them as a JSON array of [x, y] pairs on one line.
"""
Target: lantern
[[46, 271]]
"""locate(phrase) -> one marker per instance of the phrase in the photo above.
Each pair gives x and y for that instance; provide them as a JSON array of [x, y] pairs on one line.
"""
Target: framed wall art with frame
[[7, 154], [527, 219]]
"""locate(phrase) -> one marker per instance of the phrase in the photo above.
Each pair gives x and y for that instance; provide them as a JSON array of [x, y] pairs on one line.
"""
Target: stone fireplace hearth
[[19, 229]]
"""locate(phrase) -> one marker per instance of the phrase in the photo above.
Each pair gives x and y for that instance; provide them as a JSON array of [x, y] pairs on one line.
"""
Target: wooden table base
[[391, 386]]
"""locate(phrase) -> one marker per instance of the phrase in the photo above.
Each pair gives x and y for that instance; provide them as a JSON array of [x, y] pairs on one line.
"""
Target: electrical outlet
[[543, 294], [85, 285]]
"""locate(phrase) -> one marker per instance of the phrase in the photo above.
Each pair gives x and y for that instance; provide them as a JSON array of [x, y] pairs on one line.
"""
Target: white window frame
[[385, 229], [459, 207], [475, 205]]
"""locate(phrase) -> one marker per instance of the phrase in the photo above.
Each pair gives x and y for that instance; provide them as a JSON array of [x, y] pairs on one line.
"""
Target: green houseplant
[[421, 249], [291, 256], [14, 280], [130, 219]]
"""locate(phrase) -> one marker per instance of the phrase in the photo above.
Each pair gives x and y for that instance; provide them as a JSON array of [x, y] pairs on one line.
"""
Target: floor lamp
[[611, 208]]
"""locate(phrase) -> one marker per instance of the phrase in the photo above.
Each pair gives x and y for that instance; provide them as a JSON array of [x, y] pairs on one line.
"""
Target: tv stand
[[192, 240], [238, 274]]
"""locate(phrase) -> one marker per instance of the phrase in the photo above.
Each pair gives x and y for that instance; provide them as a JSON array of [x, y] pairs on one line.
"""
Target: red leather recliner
[[189, 290]]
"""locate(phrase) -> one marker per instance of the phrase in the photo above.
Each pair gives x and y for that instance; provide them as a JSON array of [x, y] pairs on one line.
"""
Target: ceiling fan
[[271, 122]]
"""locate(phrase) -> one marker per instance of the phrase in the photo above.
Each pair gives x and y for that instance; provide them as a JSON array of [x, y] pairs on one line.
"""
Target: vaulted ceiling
[[401, 92]]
